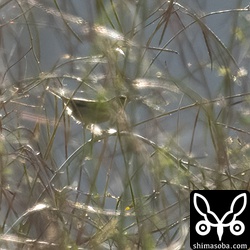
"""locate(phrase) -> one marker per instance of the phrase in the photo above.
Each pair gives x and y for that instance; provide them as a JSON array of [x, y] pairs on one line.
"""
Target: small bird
[[91, 111]]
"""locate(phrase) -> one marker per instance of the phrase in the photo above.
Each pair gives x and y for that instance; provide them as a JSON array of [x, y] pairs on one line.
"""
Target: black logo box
[[220, 202]]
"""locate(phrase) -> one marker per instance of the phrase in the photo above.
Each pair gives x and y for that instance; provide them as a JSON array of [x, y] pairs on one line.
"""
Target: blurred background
[[183, 66]]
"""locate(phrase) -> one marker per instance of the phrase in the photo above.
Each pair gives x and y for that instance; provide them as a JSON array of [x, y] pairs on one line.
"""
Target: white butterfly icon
[[236, 227]]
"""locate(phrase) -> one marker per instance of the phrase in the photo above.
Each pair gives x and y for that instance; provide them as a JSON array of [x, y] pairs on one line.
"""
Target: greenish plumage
[[91, 111]]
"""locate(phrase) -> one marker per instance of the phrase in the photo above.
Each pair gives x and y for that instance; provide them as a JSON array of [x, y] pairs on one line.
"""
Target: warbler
[[91, 111]]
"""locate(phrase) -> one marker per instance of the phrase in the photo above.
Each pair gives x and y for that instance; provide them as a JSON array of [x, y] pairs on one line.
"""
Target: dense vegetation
[[183, 67]]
